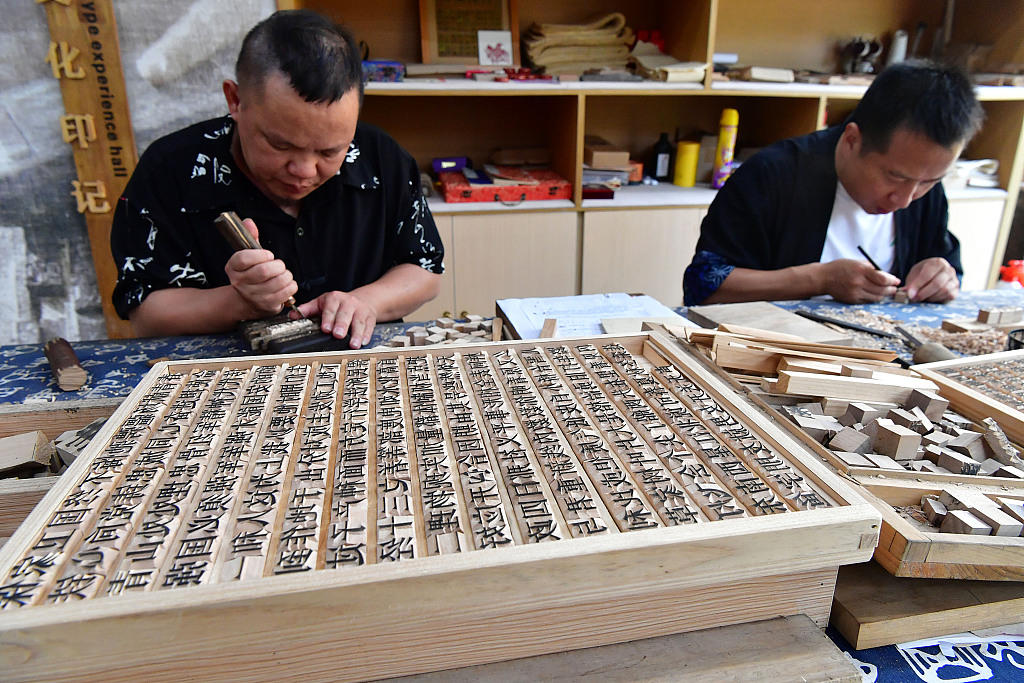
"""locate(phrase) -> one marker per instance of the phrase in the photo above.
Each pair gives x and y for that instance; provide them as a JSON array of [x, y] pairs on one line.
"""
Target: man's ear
[[852, 138], [231, 95]]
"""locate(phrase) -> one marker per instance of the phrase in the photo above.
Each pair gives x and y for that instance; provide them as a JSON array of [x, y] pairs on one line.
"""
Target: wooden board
[[17, 499], [403, 511], [787, 648], [763, 315], [874, 608]]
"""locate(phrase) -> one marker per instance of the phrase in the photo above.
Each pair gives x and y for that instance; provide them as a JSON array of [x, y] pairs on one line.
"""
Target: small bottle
[[661, 168], [722, 167]]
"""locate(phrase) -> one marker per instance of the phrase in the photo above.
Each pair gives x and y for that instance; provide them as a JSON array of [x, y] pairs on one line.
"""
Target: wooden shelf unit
[[433, 119]]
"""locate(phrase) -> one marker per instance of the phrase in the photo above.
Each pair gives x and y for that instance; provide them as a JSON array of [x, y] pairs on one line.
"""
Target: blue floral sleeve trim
[[703, 276]]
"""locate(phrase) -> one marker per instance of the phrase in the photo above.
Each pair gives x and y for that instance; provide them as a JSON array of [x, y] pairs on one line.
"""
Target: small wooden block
[[883, 461], [549, 329], [25, 453], [901, 297], [1013, 507], [934, 510], [474, 318], [446, 323], [419, 338], [931, 404], [958, 463], [865, 412], [963, 522], [1002, 524], [850, 440], [435, 338], [927, 466], [897, 442], [990, 316], [1000, 447], [964, 326], [853, 459], [818, 427], [1009, 471], [924, 425], [855, 370], [904, 418]]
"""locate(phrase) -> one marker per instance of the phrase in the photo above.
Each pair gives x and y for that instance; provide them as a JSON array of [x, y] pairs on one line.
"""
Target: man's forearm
[[400, 291], [189, 310], [745, 284]]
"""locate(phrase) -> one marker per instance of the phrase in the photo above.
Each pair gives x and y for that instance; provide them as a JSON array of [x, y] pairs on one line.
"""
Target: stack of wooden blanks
[[1003, 318], [874, 608], [910, 546], [369, 514]]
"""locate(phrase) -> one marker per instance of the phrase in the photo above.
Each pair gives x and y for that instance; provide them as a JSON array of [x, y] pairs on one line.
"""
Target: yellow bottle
[[722, 168], [686, 164]]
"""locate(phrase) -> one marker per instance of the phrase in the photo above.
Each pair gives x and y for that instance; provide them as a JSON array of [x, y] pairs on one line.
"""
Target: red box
[[545, 184]]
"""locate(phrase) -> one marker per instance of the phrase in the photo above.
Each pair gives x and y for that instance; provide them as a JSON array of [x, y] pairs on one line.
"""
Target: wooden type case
[[359, 515]]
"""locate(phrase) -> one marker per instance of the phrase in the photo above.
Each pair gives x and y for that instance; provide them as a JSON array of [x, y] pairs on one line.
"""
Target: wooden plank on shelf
[[17, 499], [763, 315], [874, 608]]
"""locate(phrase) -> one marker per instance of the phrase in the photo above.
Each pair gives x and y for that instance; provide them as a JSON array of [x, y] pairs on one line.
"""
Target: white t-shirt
[[851, 226]]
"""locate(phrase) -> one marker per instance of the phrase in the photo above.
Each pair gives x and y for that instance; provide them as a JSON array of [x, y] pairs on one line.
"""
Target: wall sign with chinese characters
[[268, 474], [84, 55]]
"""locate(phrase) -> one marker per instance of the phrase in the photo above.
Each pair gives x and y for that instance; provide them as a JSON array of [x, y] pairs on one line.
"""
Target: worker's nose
[[302, 167]]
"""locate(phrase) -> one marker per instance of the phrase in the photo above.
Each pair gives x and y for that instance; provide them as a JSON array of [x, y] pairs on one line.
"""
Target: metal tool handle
[[230, 226]]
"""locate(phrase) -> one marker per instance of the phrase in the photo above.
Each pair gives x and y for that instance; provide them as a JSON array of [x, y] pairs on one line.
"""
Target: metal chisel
[[230, 226]]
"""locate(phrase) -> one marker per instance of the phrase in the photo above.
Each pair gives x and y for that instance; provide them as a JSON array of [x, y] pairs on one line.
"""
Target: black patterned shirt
[[359, 224]]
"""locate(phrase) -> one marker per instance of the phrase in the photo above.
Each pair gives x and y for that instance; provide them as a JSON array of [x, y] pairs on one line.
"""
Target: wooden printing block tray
[[366, 514], [991, 385]]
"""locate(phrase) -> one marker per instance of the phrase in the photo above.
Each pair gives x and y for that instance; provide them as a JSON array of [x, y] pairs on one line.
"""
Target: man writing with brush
[[798, 218]]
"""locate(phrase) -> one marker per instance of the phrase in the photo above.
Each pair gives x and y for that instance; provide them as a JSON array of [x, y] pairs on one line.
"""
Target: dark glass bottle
[[661, 159]]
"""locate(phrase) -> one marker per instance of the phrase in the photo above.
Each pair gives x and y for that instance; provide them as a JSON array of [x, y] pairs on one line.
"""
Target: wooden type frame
[[634, 450], [963, 382], [907, 550]]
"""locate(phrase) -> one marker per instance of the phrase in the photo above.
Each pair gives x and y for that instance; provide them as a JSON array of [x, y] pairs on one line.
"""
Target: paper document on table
[[579, 315]]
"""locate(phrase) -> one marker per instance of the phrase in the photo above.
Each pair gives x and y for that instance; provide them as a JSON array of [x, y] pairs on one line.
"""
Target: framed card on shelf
[[449, 28]]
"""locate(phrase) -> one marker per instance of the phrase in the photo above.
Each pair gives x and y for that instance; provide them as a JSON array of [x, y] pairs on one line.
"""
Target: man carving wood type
[[335, 204], [788, 223]]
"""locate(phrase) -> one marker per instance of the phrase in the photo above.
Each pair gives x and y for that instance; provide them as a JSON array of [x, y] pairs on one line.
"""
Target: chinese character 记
[[60, 58], [90, 196], [78, 127]]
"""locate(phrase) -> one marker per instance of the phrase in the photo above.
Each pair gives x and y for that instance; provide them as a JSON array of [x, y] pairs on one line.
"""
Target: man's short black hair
[[319, 58], [935, 101]]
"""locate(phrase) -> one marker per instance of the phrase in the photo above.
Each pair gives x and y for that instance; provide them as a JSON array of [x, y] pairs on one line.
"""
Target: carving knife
[[230, 226]]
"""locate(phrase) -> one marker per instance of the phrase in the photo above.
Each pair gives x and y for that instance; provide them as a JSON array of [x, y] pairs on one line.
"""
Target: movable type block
[[933, 509], [926, 466], [818, 427], [897, 442], [931, 404], [958, 463], [904, 418], [998, 445], [963, 522], [851, 441], [970, 444], [924, 424], [864, 412], [990, 316], [446, 323], [25, 453], [965, 499], [1002, 524], [935, 438], [988, 467], [435, 338]]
